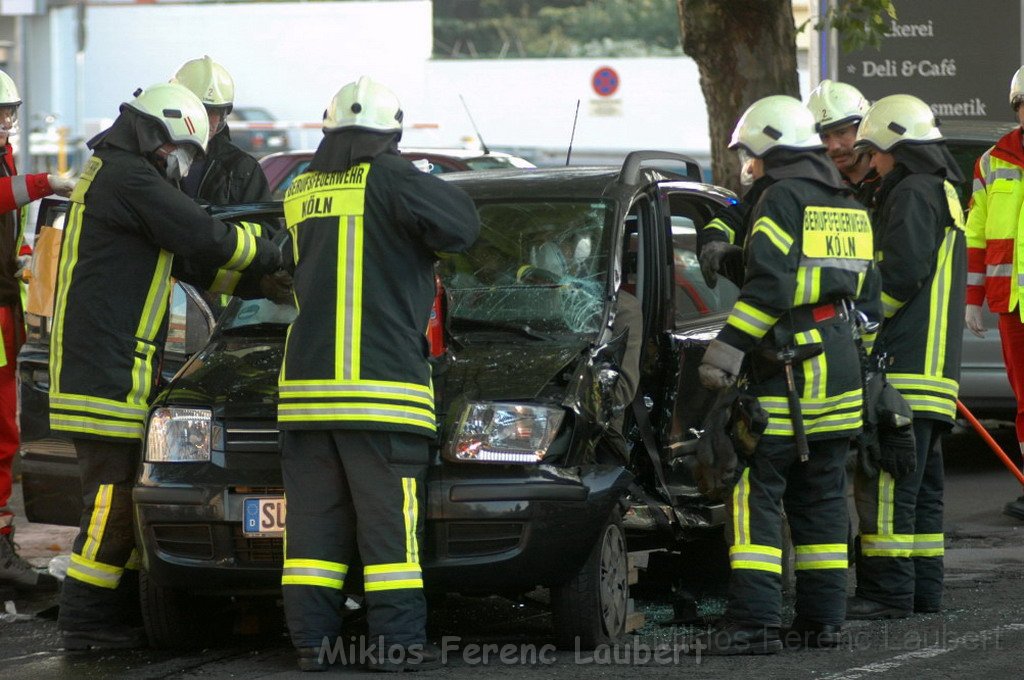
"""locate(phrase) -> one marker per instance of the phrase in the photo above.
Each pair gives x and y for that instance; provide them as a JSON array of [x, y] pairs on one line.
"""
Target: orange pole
[[992, 444]]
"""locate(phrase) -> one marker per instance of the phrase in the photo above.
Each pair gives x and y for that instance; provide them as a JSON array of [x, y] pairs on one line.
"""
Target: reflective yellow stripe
[[938, 307], [356, 411], [400, 391], [929, 545], [821, 556], [410, 514], [741, 509], [750, 319], [400, 576], [776, 234], [890, 305], [756, 557], [815, 369], [921, 383], [225, 282], [721, 226], [306, 572], [68, 260], [134, 561], [103, 428], [150, 321], [245, 250], [254, 228], [886, 503], [93, 572], [808, 286], [99, 406], [98, 521], [886, 545]]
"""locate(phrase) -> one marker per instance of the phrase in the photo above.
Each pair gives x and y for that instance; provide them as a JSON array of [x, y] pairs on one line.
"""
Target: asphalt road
[[979, 634]]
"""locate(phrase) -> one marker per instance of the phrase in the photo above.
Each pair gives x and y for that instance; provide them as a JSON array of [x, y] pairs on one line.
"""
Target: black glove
[[713, 256], [896, 434], [716, 456], [887, 440], [277, 287]]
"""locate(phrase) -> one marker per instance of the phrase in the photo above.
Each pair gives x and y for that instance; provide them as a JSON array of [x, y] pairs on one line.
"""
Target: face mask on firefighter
[[746, 168], [178, 163]]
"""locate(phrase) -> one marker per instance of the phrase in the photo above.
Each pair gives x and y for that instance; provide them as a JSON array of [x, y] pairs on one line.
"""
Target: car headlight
[[179, 435], [493, 432]]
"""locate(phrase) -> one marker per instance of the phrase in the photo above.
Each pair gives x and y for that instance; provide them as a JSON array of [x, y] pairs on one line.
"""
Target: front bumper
[[489, 529]]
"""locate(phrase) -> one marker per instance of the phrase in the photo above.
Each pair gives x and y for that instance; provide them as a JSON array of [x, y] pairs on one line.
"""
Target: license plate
[[263, 517]]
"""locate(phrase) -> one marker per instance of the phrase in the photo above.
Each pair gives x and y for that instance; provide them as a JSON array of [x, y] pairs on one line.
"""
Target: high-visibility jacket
[[15, 191], [128, 232], [364, 242], [995, 253], [920, 248], [809, 252]]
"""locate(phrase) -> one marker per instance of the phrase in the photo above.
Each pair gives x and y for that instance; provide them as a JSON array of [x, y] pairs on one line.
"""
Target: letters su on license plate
[[263, 517]]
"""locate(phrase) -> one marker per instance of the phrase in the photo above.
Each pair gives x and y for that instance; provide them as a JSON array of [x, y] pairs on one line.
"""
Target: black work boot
[[863, 609], [111, 637], [804, 633], [735, 639], [396, 658], [16, 572]]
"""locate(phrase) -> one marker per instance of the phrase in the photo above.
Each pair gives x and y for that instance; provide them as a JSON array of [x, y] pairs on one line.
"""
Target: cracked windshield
[[536, 267]]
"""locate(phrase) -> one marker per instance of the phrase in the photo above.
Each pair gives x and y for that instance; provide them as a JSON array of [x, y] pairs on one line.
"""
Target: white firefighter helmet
[[835, 104], [209, 81], [897, 119], [177, 109], [366, 105], [775, 122], [1017, 88], [8, 91]]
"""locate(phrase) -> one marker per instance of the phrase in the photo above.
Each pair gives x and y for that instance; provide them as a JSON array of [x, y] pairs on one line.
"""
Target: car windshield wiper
[[255, 328], [461, 322]]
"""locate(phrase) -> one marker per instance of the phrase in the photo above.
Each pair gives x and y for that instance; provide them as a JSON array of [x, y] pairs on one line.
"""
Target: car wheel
[[590, 608], [173, 618]]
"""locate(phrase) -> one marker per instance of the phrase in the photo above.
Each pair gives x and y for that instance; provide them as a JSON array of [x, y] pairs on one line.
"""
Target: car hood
[[506, 372], [237, 376]]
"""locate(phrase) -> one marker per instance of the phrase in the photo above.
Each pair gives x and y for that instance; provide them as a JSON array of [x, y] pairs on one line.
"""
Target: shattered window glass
[[541, 265]]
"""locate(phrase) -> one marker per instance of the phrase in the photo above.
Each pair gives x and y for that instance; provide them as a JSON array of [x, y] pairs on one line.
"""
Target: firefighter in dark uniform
[[808, 259], [920, 248], [720, 242], [838, 109], [226, 174], [356, 408], [129, 230]]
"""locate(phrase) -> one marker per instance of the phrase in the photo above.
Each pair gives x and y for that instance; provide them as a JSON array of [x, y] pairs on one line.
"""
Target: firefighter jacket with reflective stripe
[[808, 255], [364, 242], [995, 251], [730, 222], [128, 231], [920, 249], [15, 191]]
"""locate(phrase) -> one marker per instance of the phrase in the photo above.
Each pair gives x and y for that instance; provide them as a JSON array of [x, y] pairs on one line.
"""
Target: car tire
[[590, 609], [173, 618]]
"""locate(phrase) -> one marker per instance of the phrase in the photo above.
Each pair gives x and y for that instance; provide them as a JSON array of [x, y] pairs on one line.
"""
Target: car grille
[[251, 435], [257, 550], [475, 539], [194, 541]]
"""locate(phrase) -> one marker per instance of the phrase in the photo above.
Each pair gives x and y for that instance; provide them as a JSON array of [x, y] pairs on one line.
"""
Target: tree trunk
[[745, 50]]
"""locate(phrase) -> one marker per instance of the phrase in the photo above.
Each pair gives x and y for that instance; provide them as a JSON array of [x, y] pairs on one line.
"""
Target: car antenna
[[483, 144], [568, 154]]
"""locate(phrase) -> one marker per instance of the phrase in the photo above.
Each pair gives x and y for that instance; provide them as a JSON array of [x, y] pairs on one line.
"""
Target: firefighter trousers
[[101, 587], [815, 500], [354, 493], [899, 548]]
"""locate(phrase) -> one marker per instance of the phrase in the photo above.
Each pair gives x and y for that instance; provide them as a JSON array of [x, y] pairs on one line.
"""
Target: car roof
[[568, 182]]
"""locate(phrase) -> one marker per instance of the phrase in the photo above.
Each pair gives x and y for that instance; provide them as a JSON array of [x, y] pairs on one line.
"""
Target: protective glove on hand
[[886, 442], [713, 256], [62, 186], [972, 317], [720, 365], [717, 461], [277, 287]]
